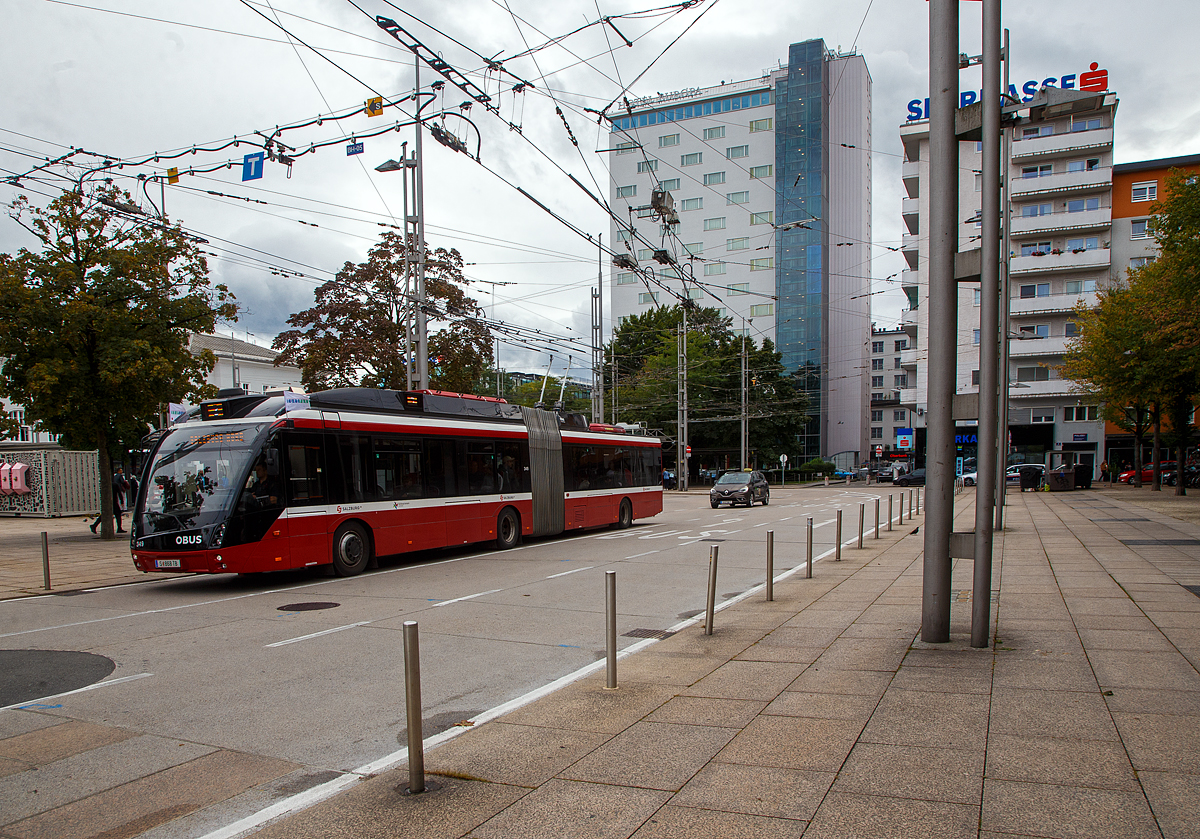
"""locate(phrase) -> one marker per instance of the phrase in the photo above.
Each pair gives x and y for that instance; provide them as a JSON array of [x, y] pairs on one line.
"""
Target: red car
[[1147, 472]]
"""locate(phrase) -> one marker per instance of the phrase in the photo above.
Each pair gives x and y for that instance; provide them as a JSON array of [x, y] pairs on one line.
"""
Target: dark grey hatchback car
[[740, 488]]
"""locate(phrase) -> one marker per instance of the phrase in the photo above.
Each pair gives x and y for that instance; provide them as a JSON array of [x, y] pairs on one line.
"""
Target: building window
[[714, 223], [1036, 330], [1083, 243], [627, 191], [692, 204], [902, 344], [899, 416], [737, 198], [714, 178], [1079, 205], [1033, 374], [975, 378], [876, 363], [695, 293], [1035, 210], [647, 297], [1042, 415], [1081, 286], [877, 346], [670, 185], [714, 268], [668, 140], [1090, 124], [734, 152], [978, 182], [762, 310], [761, 171], [626, 278], [901, 381], [715, 133], [976, 296], [975, 337], [1139, 229], [1037, 131], [1140, 261], [1043, 170], [645, 253], [876, 432], [1081, 413], [693, 159], [765, 263], [645, 166], [737, 289], [693, 248], [877, 381], [896, 363], [763, 218], [1089, 165], [1145, 191], [877, 416], [1070, 329], [761, 124], [739, 244], [1035, 249], [1035, 290], [625, 148]]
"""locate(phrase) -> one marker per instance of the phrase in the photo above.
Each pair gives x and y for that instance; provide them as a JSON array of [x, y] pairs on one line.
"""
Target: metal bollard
[[918, 501], [847, 480], [900, 509], [808, 565], [837, 542], [910, 499], [876, 518], [826, 480], [711, 606], [46, 559], [770, 565], [610, 609], [889, 512], [412, 692], [862, 514]]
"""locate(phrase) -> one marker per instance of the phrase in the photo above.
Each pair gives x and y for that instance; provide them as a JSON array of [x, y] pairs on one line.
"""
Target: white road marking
[[316, 634], [572, 571], [466, 597], [96, 686], [647, 553]]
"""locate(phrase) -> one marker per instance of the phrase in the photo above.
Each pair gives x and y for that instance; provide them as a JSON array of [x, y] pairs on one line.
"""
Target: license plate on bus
[[166, 563]]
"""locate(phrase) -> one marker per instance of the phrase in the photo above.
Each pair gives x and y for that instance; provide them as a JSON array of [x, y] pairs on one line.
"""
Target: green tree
[[97, 322], [354, 335]]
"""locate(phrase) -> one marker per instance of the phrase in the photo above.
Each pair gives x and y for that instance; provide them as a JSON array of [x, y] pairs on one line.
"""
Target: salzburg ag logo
[[1094, 79]]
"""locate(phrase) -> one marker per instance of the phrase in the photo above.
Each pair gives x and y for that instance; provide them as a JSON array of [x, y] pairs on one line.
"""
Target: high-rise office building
[[770, 182]]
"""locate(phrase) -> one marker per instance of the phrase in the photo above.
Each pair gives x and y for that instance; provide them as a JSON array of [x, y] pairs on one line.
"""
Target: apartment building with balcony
[[770, 184], [892, 362], [1060, 218]]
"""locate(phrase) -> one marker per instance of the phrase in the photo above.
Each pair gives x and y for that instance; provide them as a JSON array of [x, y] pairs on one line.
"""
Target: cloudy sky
[[131, 78]]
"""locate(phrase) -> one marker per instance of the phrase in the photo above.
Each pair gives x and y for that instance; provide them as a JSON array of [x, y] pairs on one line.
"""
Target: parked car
[[915, 478], [1147, 472], [740, 488]]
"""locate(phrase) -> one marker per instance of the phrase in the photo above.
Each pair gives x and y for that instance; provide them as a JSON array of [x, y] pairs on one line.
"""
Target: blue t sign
[[252, 166]]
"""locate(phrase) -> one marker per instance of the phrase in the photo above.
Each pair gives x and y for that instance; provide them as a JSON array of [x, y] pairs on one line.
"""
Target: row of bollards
[[412, 656]]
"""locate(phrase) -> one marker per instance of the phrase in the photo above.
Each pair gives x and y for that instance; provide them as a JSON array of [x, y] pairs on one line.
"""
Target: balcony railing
[[1047, 304], [1062, 182], [1055, 144], [1062, 221], [1066, 261]]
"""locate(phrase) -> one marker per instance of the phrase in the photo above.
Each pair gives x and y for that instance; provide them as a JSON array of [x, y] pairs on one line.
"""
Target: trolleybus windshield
[[196, 476]]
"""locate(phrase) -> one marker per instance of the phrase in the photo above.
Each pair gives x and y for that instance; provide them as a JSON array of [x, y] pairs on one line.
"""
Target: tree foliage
[[97, 321], [646, 351], [355, 334]]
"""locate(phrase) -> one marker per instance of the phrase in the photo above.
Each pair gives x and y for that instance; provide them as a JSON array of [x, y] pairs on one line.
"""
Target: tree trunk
[[1139, 436], [1156, 417], [107, 530]]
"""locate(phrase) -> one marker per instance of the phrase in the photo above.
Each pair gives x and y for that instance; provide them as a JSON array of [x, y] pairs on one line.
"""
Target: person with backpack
[[120, 486]]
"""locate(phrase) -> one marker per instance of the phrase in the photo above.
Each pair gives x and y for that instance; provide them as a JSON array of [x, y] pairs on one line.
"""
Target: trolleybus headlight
[[218, 536]]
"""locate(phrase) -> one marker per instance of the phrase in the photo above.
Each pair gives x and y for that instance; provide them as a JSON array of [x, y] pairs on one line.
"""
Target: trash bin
[[1083, 476], [1031, 477], [1060, 480]]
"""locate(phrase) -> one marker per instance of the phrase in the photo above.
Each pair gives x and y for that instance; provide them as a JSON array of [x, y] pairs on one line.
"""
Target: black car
[[915, 478], [740, 488]]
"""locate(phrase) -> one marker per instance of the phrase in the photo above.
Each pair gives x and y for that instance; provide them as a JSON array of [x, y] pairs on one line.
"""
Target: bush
[[816, 466]]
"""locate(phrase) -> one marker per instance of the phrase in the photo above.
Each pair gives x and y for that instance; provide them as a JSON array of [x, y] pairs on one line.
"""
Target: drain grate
[[1133, 519], [308, 607], [963, 595], [648, 633], [1160, 541]]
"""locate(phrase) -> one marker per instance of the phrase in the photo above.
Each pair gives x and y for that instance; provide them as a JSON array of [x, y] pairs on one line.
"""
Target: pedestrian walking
[[120, 486]]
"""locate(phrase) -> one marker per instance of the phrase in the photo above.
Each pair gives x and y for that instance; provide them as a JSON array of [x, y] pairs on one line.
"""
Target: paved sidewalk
[[822, 714]]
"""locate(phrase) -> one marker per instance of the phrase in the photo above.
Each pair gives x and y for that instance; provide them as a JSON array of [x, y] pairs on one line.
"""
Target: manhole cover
[[308, 607], [26, 675], [648, 633]]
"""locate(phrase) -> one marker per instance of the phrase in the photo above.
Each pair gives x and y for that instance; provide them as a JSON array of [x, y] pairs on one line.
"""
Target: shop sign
[[1094, 79]]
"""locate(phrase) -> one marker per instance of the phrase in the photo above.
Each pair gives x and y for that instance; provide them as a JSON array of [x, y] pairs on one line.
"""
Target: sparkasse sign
[[1094, 79]]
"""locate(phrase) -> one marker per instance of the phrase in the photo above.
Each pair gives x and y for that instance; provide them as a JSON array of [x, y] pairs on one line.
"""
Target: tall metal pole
[[989, 329], [745, 399], [943, 318], [598, 337], [422, 331], [1006, 205]]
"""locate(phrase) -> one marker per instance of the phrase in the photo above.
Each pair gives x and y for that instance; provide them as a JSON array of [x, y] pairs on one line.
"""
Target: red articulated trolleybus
[[260, 482]]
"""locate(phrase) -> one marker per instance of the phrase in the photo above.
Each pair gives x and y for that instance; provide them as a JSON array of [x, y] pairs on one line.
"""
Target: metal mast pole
[[745, 421], [1002, 431], [989, 329], [683, 473], [943, 318], [422, 332]]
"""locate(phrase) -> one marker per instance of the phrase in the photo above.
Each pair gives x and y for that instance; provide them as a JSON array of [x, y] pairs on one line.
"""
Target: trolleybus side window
[[305, 462], [439, 468], [482, 468], [349, 471], [397, 471], [512, 464]]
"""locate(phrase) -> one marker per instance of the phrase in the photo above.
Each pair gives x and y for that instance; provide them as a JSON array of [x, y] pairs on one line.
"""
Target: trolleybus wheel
[[508, 529], [351, 549], [625, 514]]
